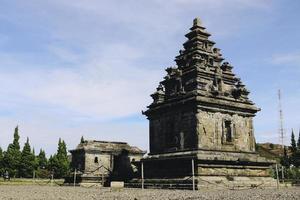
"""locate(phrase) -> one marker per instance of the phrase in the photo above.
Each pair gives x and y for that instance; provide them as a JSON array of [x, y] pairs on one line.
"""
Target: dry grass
[[21, 181]]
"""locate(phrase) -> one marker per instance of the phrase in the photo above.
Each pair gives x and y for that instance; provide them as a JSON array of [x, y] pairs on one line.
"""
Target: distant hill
[[270, 150]]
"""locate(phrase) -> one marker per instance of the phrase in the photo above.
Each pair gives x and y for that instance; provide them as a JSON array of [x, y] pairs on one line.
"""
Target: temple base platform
[[209, 169]]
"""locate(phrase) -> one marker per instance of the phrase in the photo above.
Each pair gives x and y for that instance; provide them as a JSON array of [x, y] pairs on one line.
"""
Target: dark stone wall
[[78, 160], [171, 168], [173, 131]]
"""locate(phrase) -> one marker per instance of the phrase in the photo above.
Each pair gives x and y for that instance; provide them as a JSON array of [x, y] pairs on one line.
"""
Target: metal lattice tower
[[281, 129]]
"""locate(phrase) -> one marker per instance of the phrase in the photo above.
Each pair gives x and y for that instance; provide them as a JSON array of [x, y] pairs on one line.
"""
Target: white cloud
[[218, 3], [107, 86], [44, 132], [292, 58], [106, 57], [49, 103], [64, 54]]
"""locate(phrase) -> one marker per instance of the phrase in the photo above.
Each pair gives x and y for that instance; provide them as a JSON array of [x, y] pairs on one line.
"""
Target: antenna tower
[[281, 129]]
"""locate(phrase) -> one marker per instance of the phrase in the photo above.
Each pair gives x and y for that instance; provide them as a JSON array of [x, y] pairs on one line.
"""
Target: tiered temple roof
[[202, 72]]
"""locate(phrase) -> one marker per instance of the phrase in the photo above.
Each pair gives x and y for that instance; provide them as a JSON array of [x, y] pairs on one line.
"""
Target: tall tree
[[36, 161], [27, 164], [62, 158], [62, 150], [59, 163], [296, 159], [296, 156], [12, 156], [54, 166], [293, 143], [1, 162], [298, 142], [16, 143], [285, 159], [42, 160]]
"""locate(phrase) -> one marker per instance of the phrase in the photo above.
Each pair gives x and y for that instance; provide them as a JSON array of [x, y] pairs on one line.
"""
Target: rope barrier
[[90, 172], [224, 186], [42, 184], [189, 186]]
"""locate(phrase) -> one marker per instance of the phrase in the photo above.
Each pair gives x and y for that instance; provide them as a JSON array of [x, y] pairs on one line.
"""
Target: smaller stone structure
[[102, 161]]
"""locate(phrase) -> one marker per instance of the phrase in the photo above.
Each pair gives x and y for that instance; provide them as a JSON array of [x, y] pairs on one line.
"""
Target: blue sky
[[71, 68]]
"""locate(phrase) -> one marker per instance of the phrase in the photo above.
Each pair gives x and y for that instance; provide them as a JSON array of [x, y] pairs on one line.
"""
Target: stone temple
[[201, 112], [98, 162]]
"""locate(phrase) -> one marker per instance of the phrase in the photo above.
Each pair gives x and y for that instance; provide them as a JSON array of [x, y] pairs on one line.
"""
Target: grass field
[[20, 181]]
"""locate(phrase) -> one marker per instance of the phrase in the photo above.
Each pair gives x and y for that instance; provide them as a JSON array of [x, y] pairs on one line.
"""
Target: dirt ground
[[34, 192]]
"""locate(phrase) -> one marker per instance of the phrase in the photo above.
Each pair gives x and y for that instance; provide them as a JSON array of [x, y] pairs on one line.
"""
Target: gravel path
[[34, 192]]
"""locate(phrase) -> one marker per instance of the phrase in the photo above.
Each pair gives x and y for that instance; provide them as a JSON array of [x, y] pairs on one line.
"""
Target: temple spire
[[197, 22]]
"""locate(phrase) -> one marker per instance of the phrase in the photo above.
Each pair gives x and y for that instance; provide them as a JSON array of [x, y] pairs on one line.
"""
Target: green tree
[[1, 162], [296, 159], [298, 142], [27, 164], [62, 158], [12, 156], [293, 143], [36, 161], [42, 160], [285, 159], [42, 165], [59, 163], [51, 162], [16, 143], [53, 166], [296, 156]]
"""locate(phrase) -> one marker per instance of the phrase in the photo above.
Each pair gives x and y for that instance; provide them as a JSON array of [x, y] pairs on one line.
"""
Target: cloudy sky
[[87, 67]]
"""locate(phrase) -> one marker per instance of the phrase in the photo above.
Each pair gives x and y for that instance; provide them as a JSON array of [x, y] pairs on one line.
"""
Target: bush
[[293, 173], [43, 173]]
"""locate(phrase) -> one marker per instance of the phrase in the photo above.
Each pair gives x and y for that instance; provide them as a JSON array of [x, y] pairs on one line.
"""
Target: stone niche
[[219, 131], [201, 112]]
